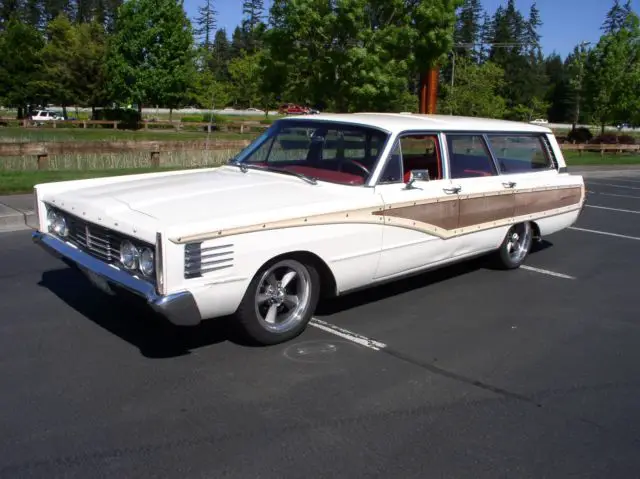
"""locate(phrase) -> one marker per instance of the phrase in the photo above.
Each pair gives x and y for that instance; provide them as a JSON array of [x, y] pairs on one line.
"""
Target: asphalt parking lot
[[463, 372]]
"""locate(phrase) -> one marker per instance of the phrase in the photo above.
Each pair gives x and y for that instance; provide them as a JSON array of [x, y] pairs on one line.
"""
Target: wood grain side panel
[[528, 203], [443, 214], [475, 211]]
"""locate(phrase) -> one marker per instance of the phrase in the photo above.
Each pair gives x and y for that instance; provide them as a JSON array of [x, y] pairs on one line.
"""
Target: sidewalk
[[17, 211]]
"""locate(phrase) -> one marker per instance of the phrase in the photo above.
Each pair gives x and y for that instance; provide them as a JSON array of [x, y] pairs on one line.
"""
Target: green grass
[[15, 135], [587, 158], [14, 182]]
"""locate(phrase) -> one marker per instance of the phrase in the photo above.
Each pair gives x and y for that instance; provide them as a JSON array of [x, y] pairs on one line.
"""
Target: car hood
[[186, 202]]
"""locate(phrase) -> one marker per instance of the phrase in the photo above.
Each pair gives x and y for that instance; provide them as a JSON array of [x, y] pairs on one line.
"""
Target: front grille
[[199, 261], [96, 240], [100, 242]]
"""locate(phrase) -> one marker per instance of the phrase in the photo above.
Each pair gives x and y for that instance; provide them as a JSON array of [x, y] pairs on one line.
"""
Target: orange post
[[428, 95]]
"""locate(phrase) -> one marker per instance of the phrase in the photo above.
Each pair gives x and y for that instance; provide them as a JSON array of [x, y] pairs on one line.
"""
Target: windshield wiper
[[244, 167], [240, 165]]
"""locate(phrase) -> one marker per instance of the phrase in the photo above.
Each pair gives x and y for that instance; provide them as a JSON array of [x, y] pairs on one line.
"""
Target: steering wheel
[[356, 163]]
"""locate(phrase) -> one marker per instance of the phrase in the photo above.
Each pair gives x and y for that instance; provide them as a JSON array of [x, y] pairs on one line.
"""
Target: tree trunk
[[170, 113], [603, 126]]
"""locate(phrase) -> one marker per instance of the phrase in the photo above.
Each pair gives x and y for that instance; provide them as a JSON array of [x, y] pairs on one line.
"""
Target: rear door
[[486, 199]]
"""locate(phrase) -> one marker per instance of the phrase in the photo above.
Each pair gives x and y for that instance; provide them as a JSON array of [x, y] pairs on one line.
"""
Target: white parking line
[[606, 233], [613, 209], [612, 194], [547, 272], [616, 186], [624, 180], [346, 334]]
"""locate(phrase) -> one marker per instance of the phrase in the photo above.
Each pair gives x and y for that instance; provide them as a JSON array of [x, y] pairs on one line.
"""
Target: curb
[[17, 221]]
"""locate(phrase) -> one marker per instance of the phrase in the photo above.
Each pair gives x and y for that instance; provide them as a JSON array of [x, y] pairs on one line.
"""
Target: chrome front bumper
[[178, 308]]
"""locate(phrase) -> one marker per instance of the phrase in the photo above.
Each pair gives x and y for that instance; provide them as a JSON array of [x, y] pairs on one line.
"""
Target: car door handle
[[509, 184], [452, 190]]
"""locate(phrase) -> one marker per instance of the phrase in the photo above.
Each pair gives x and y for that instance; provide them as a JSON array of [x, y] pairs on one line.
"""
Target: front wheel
[[516, 245], [279, 301]]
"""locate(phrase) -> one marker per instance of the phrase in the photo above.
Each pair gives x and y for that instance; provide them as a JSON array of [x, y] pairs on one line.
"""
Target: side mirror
[[417, 175]]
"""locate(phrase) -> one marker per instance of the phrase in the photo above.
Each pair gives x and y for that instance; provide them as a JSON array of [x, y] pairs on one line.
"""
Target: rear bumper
[[178, 308]]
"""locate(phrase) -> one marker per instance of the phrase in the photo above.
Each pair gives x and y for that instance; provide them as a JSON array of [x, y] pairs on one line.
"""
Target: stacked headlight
[[132, 258], [129, 255], [147, 262], [57, 223]]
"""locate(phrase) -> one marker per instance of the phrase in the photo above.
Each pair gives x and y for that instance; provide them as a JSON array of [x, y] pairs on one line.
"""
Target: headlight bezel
[[150, 269], [133, 251]]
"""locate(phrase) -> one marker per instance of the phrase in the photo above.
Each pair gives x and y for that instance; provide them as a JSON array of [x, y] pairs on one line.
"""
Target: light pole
[[578, 82]]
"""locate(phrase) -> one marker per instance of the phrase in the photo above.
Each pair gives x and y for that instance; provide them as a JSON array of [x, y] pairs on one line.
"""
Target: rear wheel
[[516, 246], [279, 301]]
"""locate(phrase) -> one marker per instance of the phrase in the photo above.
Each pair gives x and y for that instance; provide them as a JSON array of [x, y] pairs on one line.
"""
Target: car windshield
[[324, 150]]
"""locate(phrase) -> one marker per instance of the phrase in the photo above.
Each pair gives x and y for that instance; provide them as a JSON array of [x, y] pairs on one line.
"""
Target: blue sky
[[565, 22]]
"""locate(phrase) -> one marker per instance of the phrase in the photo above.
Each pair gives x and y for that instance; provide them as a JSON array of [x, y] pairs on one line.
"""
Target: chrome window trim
[[486, 144], [553, 163], [383, 161]]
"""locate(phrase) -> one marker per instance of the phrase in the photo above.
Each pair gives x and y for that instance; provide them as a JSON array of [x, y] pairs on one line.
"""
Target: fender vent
[[199, 261]]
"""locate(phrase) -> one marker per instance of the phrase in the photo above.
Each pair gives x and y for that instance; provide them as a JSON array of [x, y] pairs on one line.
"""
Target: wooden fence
[[241, 126], [42, 151]]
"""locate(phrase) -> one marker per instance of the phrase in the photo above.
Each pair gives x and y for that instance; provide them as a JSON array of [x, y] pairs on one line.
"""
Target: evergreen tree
[[252, 24], [206, 24], [469, 28], [220, 56], [616, 17], [33, 13]]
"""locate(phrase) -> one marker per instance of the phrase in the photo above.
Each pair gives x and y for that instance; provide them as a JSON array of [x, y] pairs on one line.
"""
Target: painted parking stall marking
[[606, 233], [612, 194], [348, 335], [597, 183], [546, 271], [621, 210]]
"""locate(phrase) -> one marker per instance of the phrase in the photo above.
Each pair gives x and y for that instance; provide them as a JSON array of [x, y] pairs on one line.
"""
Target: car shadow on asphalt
[[131, 320], [328, 307]]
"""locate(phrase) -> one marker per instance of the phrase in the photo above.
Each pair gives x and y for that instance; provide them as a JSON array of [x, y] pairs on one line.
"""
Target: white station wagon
[[317, 206]]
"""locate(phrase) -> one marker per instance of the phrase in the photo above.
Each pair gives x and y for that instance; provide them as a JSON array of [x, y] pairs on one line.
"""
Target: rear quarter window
[[520, 153]]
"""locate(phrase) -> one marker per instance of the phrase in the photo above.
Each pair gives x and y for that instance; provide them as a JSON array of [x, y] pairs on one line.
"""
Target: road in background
[[476, 373]]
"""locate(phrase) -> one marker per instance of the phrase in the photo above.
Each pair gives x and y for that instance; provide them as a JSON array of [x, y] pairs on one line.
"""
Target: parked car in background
[[41, 116], [540, 121], [292, 109], [317, 206]]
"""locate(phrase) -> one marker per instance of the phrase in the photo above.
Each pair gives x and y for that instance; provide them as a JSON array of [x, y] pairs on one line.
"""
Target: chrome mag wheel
[[519, 241], [283, 295]]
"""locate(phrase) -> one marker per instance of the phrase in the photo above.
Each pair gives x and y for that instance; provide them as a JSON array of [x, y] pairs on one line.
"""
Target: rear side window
[[520, 153], [469, 157]]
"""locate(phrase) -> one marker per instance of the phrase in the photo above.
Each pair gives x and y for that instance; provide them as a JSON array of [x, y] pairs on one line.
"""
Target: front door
[[419, 216]]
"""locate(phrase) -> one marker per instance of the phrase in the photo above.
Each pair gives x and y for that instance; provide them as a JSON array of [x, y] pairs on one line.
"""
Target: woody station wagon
[[317, 206]]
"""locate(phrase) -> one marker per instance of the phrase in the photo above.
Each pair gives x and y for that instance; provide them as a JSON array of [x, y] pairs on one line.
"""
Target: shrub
[[626, 140], [606, 138], [580, 135], [127, 117]]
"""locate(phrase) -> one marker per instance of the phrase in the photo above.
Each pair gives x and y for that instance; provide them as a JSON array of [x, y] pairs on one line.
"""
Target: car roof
[[397, 122]]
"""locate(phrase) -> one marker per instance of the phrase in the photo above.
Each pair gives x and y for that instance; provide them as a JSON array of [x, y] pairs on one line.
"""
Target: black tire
[[505, 257], [252, 314]]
